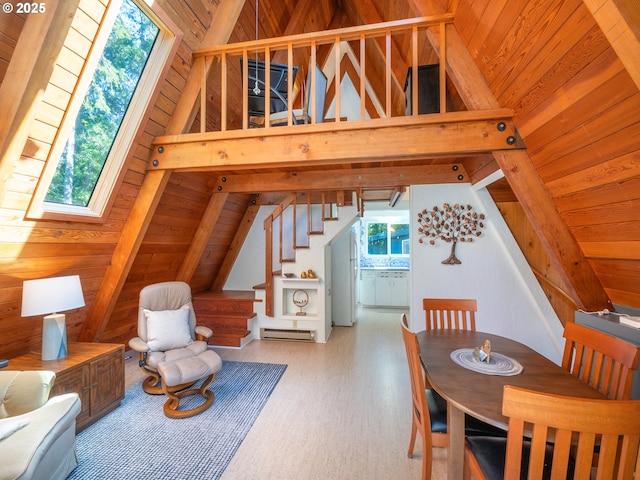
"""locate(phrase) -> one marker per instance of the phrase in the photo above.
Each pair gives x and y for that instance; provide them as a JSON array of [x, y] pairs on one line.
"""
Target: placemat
[[500, 364]]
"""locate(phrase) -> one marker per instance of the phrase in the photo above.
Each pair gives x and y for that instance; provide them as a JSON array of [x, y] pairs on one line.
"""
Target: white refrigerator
[[344, 272]]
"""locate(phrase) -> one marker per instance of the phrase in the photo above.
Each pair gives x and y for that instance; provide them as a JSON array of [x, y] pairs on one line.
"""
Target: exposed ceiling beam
[[413, 138], [200, 239], [234, 248], [341, 179], [369, 14]]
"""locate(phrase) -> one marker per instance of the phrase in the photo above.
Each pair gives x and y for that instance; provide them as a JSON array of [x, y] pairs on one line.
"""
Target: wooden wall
[[577, 109], [35, 249], [10, 25]]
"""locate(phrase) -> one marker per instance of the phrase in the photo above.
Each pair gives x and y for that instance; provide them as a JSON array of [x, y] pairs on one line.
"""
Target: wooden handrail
[[266, 48], [326, 37]]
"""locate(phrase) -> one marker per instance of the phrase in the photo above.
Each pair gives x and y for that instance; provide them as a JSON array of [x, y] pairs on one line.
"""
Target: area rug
[[137, 441]]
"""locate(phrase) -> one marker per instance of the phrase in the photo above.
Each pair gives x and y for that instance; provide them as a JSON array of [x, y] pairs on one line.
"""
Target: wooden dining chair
[[421, 422], [429, 410], [575, 425], [602, 361], [450, 313]]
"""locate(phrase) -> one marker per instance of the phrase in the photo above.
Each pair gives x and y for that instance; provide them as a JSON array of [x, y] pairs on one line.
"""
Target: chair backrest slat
[[575, 425], [602, 361], [450, 313]]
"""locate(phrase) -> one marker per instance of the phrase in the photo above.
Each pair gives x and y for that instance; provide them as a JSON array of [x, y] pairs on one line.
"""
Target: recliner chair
[[173, 349]]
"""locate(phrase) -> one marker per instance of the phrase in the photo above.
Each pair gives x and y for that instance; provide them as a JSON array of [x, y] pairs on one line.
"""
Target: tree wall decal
[[453, 224]]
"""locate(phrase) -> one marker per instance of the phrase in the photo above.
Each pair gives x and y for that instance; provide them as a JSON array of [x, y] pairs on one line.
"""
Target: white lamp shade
[[51, 295]]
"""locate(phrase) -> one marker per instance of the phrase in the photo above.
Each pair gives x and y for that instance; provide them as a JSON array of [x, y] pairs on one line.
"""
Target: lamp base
[[54, 337]]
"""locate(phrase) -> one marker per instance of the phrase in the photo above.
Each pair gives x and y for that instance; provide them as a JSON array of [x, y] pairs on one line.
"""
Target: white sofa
[[37, 433]]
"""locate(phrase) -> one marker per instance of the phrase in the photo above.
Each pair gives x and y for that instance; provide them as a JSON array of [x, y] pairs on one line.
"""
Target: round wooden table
[[480, 395]]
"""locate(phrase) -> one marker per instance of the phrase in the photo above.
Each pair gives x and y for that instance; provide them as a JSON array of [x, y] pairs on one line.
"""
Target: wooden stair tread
[[227, 313], [227, 294]]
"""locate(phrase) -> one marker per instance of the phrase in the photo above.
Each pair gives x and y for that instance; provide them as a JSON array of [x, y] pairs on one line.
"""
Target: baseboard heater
[[284, 334]]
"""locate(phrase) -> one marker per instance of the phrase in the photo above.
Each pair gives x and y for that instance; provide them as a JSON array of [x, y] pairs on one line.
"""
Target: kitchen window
[[387, 238]]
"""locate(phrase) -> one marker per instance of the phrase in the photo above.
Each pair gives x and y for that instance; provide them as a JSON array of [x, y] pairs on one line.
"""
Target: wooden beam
[[26, 78], [297, 23], [123, 258], [343, 179], [620, 23], [268, 267], [414, 138], [153, 186], [576, 271], [585, 287], [203, 233], [234, 248]]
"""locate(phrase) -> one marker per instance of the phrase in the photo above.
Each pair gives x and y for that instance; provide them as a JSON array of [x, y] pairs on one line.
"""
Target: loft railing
[[226, 72]]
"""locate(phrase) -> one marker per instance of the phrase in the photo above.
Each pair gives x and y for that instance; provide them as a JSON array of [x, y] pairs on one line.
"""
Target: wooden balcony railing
[[225, 69]]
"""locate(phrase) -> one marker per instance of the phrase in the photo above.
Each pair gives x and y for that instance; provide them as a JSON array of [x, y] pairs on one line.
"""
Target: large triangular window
[[104, 116]]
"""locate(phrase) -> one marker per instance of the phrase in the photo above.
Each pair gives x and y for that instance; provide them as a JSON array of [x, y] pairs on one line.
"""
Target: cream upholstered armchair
[[37, 433], [173, 349]]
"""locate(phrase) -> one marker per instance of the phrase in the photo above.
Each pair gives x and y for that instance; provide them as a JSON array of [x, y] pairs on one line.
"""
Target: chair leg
[[152, 384], [174, 394], [412, 441], [471, 468], [426, 464]]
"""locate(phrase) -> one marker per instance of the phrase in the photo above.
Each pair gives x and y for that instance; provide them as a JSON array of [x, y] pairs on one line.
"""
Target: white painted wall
[[493, 271], [249, 271]]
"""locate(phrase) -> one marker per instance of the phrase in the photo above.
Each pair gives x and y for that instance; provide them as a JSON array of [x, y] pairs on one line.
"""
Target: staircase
[[228, 313], [290, 226]]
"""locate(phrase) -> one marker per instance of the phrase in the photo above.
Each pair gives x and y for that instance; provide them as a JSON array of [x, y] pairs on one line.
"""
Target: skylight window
[[103, 109], [129, 55]]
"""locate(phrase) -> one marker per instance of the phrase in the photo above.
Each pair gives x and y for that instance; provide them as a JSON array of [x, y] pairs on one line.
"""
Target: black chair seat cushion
[[490, 453], [473, 426]]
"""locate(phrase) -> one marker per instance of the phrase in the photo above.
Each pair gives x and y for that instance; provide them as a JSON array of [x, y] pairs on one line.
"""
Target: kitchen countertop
[[403, 269]]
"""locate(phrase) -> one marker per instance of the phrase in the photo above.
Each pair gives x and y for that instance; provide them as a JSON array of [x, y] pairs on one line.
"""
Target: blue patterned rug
[[137, 441]]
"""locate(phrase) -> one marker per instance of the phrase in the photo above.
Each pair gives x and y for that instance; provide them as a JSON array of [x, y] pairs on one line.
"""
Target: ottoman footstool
[[179, 376]]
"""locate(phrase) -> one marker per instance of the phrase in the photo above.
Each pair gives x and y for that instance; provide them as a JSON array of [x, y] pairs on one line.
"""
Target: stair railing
[[220, 63], [286, 232]]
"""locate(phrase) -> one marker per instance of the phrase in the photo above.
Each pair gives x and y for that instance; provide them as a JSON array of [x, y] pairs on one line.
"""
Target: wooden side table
[[95, 371]]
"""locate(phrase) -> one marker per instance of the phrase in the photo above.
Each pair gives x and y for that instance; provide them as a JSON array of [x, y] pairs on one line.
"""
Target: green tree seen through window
[[387, 238], [104, 107], [377, 238]]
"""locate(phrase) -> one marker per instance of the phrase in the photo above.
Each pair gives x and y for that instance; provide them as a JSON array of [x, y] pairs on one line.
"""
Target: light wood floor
[[341, 410]]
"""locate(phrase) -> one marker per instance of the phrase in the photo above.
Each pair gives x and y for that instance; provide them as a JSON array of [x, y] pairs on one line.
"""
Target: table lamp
[[50, 296]]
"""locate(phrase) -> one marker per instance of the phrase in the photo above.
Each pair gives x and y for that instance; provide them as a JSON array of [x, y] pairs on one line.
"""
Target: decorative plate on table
[[499, 365]]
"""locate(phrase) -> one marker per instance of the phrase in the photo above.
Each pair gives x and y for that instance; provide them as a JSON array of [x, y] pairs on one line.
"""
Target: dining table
[[475, 388]]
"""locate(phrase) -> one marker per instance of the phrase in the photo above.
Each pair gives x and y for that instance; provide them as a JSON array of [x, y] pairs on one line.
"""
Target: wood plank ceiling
[[570, 77]]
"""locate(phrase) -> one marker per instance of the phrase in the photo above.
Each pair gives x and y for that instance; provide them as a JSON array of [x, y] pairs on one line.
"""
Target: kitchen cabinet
[[384, 288], [368, 288], [392, 288]]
